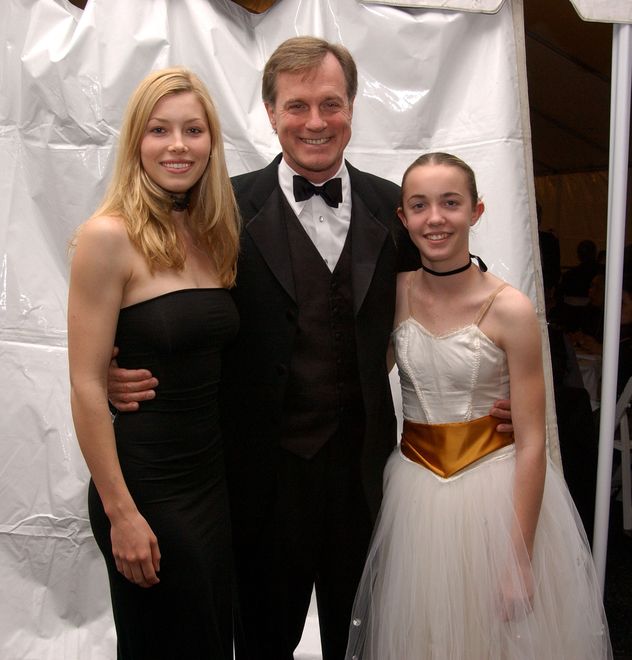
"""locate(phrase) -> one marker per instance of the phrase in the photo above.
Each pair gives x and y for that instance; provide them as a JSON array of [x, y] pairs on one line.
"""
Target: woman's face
[[176, 146], [438, 213]]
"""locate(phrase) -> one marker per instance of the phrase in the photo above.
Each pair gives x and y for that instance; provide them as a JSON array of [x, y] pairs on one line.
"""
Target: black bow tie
[[331, 191]]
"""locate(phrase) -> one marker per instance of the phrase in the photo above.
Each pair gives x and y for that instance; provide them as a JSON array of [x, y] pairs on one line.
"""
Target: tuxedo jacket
[[256, 365]]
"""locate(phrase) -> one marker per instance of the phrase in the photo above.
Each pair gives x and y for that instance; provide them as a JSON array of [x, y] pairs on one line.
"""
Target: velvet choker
[[481, 265]]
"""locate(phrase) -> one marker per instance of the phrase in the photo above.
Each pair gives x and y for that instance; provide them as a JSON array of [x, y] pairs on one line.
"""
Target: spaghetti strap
[[487, 304], [409, 287]]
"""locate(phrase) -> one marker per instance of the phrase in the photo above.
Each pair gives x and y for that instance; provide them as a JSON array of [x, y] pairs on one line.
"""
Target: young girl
[[478, 553], [150, 272]]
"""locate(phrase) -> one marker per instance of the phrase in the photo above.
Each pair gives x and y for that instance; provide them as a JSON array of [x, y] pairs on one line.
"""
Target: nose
[[315, 121], [178, 145], [435, 215]]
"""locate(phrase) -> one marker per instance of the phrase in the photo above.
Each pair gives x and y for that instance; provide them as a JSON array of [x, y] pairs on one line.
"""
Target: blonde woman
[[150, 274]]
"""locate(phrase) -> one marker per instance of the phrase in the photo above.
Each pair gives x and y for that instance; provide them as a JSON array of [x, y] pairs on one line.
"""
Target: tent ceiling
[[568, 73]]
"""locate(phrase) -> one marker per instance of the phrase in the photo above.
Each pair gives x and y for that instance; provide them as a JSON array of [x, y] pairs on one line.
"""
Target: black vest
[[323, 388]]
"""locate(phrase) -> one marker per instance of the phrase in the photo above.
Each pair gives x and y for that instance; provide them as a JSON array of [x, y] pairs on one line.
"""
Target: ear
[[271, 115], [402, 216], [477, 212]]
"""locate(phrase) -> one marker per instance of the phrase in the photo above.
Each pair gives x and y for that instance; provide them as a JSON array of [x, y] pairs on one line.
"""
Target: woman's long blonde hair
[[146, 208]]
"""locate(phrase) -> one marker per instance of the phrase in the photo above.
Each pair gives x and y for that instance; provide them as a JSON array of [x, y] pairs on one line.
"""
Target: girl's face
[[176, 147], [438, 212]]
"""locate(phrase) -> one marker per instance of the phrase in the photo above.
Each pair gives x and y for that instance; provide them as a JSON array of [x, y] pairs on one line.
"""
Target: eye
[[332, 106], [157, 130], [296, 107], [195, 130]]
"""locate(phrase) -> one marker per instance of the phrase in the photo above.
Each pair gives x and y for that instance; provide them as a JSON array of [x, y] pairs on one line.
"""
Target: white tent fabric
[[479, 6], [429, 80], [604, 11]]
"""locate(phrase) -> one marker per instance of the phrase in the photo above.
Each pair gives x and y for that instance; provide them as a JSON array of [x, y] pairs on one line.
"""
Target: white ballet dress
[[442, 545]]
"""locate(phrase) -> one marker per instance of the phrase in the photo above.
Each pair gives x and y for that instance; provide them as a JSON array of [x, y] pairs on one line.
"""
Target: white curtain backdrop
[[430, 79]]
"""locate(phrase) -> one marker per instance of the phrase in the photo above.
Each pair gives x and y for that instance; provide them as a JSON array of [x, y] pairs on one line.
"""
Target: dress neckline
[[476, 321], [170, 293], [451, 333]]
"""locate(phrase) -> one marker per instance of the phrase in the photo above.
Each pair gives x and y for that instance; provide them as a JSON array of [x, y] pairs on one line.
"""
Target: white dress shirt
[[326, 226]]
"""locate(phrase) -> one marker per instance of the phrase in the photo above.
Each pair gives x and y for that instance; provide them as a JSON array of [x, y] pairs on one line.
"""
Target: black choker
[[481, 265], [180, 201]]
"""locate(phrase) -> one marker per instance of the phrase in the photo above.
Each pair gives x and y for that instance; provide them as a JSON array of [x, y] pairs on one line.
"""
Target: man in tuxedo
[[307, 412]]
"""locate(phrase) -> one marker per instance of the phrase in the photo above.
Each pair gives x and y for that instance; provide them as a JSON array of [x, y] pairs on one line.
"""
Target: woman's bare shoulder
[[106, 232], [103, 226]]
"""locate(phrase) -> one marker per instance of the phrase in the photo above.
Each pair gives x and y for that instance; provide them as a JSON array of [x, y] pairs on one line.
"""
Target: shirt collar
[[286, 174]]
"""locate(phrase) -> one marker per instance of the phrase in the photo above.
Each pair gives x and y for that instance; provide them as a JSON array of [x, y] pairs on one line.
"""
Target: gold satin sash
[[448, 448]]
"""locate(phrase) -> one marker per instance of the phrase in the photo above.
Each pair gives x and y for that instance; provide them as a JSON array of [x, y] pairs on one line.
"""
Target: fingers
[[502, 411], [515, 598], [502, 408], [125, 394], [515, 609], [125, 407], [155, 556], [135, 550], [141, 572], [130, 381], [148, 575], [141, 390]]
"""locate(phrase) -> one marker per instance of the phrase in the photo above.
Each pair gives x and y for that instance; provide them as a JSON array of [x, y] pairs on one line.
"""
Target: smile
[[176, 165], [436, 237], [315, 141]]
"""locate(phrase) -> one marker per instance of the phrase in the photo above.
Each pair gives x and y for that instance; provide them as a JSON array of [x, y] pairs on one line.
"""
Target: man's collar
[[286, 179]]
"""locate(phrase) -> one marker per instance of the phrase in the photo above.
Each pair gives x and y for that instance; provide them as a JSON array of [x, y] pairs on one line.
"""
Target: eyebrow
[[332, 97], [442, 195], [166, 121]]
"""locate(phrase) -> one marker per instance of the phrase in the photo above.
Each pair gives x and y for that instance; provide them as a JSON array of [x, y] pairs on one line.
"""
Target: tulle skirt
[[442, 579]]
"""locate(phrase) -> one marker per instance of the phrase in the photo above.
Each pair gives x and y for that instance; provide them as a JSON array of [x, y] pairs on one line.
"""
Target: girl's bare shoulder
[[401, 301], [512, 313]]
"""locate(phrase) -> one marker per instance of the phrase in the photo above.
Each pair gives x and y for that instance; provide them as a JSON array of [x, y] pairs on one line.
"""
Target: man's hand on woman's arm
[[127, 388], [502, 411]]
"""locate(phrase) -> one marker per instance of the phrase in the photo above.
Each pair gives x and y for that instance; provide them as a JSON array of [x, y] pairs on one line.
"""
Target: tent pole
[[617, 192]]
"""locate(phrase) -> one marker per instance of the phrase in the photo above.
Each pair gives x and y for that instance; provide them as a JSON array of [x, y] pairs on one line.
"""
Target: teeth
[[436, 237], [318, 141], [177, 166]]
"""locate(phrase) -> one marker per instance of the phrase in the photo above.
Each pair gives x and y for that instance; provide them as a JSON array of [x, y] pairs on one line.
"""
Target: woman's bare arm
[[99, 272]]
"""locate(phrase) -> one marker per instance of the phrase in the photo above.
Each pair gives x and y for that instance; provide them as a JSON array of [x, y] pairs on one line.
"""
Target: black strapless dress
[[171, 456]]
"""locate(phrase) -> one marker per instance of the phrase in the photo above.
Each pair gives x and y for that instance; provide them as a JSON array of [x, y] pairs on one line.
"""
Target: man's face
[[312, 117]]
